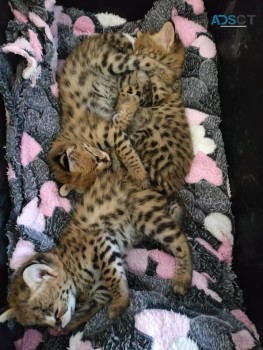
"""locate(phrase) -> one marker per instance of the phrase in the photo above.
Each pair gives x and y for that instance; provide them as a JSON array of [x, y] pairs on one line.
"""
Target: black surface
[[241, 91]]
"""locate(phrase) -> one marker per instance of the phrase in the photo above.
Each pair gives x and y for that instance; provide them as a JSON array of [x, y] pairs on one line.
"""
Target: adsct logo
[[233, 20]]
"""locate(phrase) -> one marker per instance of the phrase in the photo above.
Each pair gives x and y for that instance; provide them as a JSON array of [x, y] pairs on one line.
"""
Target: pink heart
[[197, 5], [30, 341], [23, 251], [35, 43], [83, 26], [30, 148], [206, 46], [208, 247], [31, 216], [137, 260], [163, 326], [224, 253], [204, 168], [186, 29], [195, 117], [200, 282], [225, 250], [50, 199], [243, 340], [166, 263], [242, 317]]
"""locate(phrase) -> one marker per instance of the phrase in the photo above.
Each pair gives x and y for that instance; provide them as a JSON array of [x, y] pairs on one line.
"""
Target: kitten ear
[[7, 315], [138, 34], [35, 274], [165, 37]]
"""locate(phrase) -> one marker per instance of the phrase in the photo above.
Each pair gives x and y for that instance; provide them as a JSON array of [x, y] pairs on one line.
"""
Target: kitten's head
[[76, 165], [41, 293], [164, 46]]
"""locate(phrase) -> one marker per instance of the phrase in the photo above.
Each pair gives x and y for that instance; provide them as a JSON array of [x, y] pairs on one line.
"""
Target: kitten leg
[[119, 64], [111, 265], [129, 157], [84, 313], [126, 107], [135, 89], [150, 217]]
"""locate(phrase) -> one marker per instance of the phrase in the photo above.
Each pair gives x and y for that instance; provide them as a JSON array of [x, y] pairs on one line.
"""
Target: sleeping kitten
[[88, 95], [160, 133]]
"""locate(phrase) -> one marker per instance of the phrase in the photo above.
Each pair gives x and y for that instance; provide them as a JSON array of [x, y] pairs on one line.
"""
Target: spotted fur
[[66, 286], [88, 94], [159, 133]]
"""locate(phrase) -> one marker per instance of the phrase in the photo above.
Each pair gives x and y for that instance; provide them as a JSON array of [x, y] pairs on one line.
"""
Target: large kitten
[[86, 268]]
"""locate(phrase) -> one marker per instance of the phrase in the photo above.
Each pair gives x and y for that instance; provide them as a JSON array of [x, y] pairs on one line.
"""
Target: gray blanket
[[211, 315]]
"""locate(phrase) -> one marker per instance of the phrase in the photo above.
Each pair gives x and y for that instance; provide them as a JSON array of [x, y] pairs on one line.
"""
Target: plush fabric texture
[[211, 315]]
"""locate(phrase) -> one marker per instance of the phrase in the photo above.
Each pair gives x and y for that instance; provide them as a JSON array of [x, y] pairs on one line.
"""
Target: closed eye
[[56, 314], [101, 160], [64, 161]]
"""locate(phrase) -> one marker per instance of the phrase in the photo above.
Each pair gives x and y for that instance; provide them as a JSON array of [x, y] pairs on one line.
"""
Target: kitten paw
[[182, 284], [128, 100], [144, 184], [167, 75]]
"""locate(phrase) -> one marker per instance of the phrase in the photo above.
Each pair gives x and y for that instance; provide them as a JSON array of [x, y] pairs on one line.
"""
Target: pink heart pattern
[[195, 117], [163, 326], [83, 26], [201, 282], [243, 340], [31, 217], [23, 251], [204, 168], [30, 148], [207, 48], [50, 199], [166, 263], [30, 341], [197, 5], [186, 29]]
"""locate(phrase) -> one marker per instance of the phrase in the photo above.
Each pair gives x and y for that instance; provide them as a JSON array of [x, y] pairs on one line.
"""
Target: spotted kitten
[[160, 133], [68, 285], [88, 95], [65, 287]]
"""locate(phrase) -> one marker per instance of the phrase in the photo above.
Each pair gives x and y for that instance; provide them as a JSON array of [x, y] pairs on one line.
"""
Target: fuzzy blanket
[[211, 315]]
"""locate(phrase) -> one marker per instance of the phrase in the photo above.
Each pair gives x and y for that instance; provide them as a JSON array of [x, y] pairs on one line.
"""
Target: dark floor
[[241, 90]]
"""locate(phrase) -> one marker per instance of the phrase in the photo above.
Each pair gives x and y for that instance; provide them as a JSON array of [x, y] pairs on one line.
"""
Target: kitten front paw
[[181, 284], [128, 100], [167, 76]]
